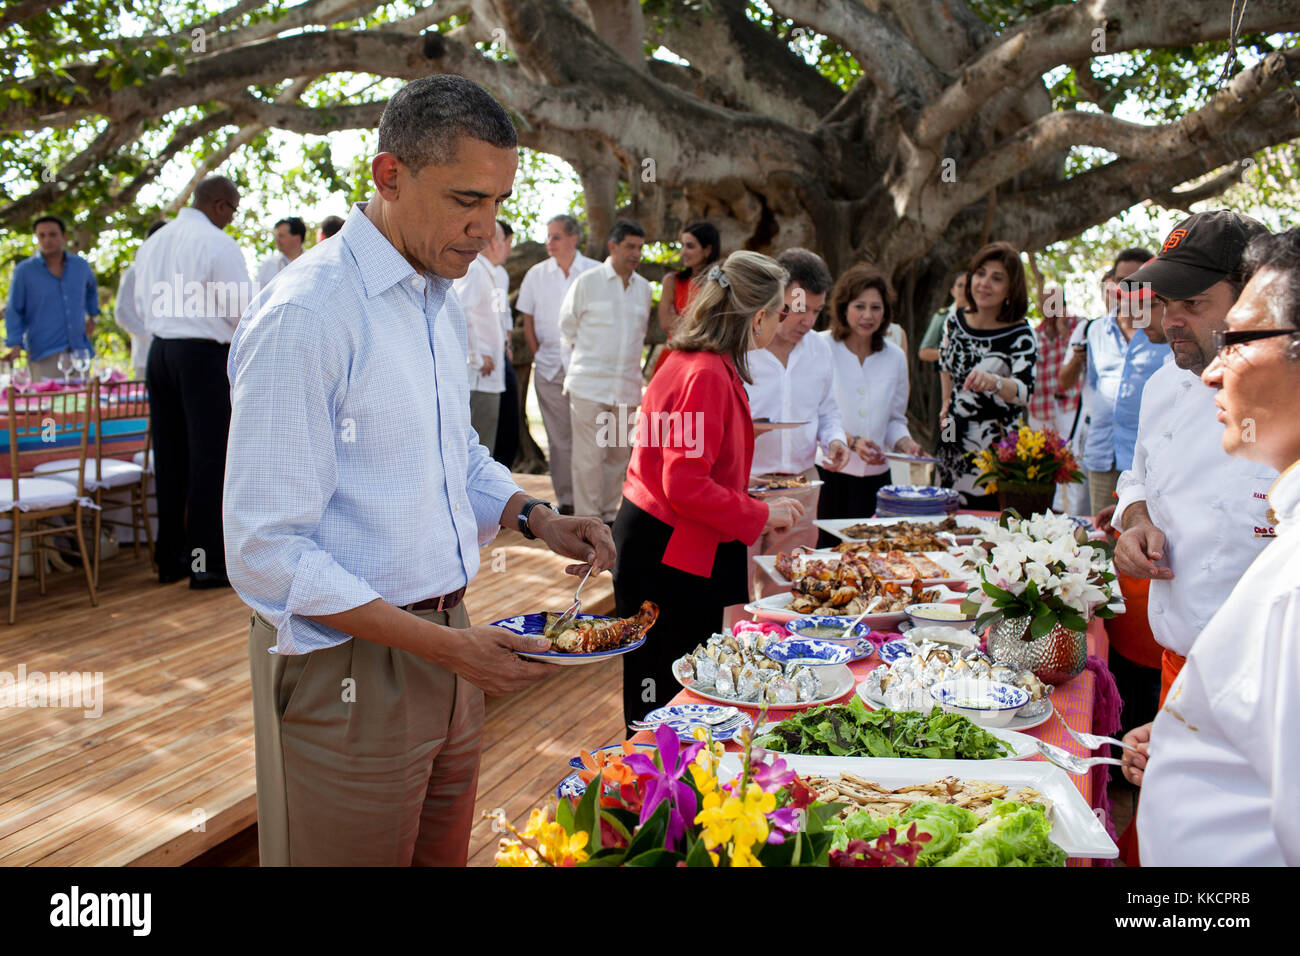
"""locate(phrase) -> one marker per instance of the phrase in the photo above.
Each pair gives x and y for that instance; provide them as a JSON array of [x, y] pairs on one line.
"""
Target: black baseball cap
[[1199, 252]]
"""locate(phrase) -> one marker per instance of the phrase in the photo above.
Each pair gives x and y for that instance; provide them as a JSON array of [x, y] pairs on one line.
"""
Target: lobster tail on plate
[[588, 636]]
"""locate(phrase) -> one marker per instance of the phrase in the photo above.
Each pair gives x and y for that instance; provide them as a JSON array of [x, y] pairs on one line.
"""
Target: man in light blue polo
[[53, 299]]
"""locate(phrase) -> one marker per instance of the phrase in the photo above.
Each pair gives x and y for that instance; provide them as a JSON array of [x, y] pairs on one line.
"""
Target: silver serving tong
[[568, 616]]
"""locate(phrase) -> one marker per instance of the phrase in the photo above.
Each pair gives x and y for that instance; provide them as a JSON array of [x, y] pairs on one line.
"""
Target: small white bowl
[[938, 614], [956, 636], [988, 703]]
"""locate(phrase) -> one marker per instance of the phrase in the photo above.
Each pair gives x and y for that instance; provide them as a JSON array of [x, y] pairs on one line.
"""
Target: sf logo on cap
[[1174, 239]]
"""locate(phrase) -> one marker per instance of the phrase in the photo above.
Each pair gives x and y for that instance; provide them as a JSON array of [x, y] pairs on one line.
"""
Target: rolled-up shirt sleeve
[[830, 427], [280, 474]]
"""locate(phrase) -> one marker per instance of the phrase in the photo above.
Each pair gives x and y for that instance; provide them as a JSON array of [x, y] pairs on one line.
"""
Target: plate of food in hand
[[903, 534], [771, 425], [733, 669], [763, 484], [586, 639]]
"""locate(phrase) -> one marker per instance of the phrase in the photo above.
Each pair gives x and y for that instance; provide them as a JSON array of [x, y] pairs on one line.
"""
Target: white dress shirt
[[482, 303], [352, 472], [540, 295], [872, 398], [502, 280], [603, 323], [191, 281], [1078, 336], [131, 321], [801, 390], [270, 268], [1211, 507], [1222, 784]]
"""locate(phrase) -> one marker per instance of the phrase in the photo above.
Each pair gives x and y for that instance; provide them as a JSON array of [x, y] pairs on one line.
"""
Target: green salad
[[1013, 834], [852, 730]]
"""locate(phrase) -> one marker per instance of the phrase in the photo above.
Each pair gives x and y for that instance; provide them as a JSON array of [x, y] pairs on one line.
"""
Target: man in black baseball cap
[[1197, 276]]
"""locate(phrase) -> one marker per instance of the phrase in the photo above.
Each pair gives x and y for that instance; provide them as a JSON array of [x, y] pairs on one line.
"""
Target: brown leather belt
[[444, 603]]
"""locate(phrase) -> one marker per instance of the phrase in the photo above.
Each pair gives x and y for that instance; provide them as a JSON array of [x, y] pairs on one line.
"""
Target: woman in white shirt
[[870, 386], [1221, 784]]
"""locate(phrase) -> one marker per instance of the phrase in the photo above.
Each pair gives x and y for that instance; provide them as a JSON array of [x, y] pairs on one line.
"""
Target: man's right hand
[[1138, 550], [1135, 764], [487, 366], [782, 513], [531, 339], [485, 656]]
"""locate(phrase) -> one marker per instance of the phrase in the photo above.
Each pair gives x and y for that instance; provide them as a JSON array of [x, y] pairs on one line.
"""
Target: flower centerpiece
[[1041, 579], [1025, 467], [671, 807]]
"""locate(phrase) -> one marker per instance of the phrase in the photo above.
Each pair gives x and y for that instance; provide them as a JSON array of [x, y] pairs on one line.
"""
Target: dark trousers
[[846, 496], [690, 606], [189, 419], [506, 448]]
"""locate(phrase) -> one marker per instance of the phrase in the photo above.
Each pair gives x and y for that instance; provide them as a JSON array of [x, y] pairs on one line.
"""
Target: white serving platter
[[836, 526], [773, 608]]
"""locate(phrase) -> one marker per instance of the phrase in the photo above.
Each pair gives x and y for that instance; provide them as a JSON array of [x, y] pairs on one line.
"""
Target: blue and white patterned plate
[[892, 651], [571, 786], [911, 493], [809, 651], [684, 718], [576, 762], [532, 625]]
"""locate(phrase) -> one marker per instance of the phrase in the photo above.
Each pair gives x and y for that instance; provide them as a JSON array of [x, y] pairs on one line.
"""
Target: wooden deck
[[165, 774]]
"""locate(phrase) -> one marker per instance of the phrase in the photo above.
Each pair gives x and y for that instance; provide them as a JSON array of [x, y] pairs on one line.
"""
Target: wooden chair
[[120, 413], [37, 422]]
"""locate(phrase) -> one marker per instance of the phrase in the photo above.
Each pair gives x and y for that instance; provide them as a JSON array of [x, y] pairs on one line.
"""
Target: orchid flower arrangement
[[1044, 568], [670, 808], [1029, 457]]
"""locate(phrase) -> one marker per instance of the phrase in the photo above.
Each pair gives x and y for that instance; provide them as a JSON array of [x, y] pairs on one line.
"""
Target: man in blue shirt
[[1124, 350], [50, 296]]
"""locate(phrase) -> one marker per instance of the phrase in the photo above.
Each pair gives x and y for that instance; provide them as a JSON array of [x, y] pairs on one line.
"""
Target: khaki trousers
[[559, 434], [47, 367], [600, 456], [484, 411], [366, 755], [1101, 488], [772, 542]]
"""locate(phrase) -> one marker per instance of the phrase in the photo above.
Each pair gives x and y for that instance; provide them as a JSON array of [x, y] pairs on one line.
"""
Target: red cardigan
[[690, 466]]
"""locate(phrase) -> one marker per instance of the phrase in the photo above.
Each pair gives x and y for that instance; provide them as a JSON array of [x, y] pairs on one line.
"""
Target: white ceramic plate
[[1075, 829], [532, 625], [763, 490], [836, 681], [774, 608], [836, 526], [1017, 723], [949, 562], [1021, 745]]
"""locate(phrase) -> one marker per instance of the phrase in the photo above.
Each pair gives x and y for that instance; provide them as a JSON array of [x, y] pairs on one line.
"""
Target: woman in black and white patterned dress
[[986, 365]]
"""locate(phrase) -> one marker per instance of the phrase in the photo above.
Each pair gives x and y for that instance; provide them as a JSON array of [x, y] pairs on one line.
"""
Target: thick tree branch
[[25, 10], [306, 120], [621, 24], [113, 137], [1183, 199], [1078, 31]]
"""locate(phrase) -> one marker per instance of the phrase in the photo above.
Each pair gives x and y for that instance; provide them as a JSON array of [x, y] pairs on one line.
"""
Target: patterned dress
[[980, 419]]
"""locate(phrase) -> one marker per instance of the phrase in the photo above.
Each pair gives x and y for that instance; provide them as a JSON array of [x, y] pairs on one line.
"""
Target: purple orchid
[[770, 776], [784, 820], [666, 784]]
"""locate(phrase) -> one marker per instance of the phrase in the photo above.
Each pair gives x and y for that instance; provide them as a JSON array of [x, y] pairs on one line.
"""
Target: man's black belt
[[444, 603]]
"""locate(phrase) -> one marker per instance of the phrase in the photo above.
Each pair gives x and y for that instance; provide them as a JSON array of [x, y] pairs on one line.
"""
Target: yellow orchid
[[554, 845], [742, 822], [514, 853]]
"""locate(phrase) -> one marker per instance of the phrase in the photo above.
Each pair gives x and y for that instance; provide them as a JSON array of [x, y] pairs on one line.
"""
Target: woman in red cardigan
[[686, 518]]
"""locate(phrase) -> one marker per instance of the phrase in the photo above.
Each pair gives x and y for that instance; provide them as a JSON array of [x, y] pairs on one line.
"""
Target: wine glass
[[22, 377], [65, 366], [81, 359]]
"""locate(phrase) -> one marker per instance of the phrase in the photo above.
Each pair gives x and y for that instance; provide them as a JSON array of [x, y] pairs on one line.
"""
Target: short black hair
[[330, 225], [623, 228], [296, 226], [1281, 253], [806, 268], [505, 228], [425, 120], [54, 219], [1132, 254], [155, 227]]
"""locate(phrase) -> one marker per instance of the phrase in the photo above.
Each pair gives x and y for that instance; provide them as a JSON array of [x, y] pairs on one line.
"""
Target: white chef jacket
[[132, 322], [801, 390], [872, 398], [191, 281], [1211, 507], [540, 295], [270, 268], [482, 304], [603, 325], [1222, 784]]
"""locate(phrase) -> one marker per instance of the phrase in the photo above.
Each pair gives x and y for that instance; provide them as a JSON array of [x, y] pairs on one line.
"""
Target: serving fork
[[718, 720], [1093, 741], [1069, 762], [565, 619]]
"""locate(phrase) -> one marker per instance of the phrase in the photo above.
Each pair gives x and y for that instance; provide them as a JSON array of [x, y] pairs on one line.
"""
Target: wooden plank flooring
[[165, 774]]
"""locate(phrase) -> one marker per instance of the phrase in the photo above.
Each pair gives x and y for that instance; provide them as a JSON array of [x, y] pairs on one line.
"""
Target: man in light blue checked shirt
[[357, 492]]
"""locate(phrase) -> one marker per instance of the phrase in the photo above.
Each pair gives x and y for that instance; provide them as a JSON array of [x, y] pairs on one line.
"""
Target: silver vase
[[1056, 657]]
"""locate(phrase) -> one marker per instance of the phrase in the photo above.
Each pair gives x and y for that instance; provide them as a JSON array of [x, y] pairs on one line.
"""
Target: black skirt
[[690, 606], [846, 496]]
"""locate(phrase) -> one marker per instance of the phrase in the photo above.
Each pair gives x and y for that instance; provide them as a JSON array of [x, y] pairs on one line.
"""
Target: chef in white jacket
[[1192, 517], [1221, 782]]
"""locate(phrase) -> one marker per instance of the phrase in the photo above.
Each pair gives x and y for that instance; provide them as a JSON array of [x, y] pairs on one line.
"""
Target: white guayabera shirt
[[191, 281], [540, 295], [603, 325], [801, 390], [352, 471], [1211, 507], [482, 304], [1222, 784]]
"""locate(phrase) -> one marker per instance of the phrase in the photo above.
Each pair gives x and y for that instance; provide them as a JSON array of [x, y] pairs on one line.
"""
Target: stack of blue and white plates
[[906, 501]]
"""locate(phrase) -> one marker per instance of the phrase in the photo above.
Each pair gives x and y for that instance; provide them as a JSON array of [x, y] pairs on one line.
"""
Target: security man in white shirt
[[483, 304], [191, 285], [603, 321], [290, 234], [1192, 517], [131, 321]]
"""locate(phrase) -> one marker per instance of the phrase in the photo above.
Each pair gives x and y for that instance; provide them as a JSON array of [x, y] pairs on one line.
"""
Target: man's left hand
[[839, 456], [586, 539]]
